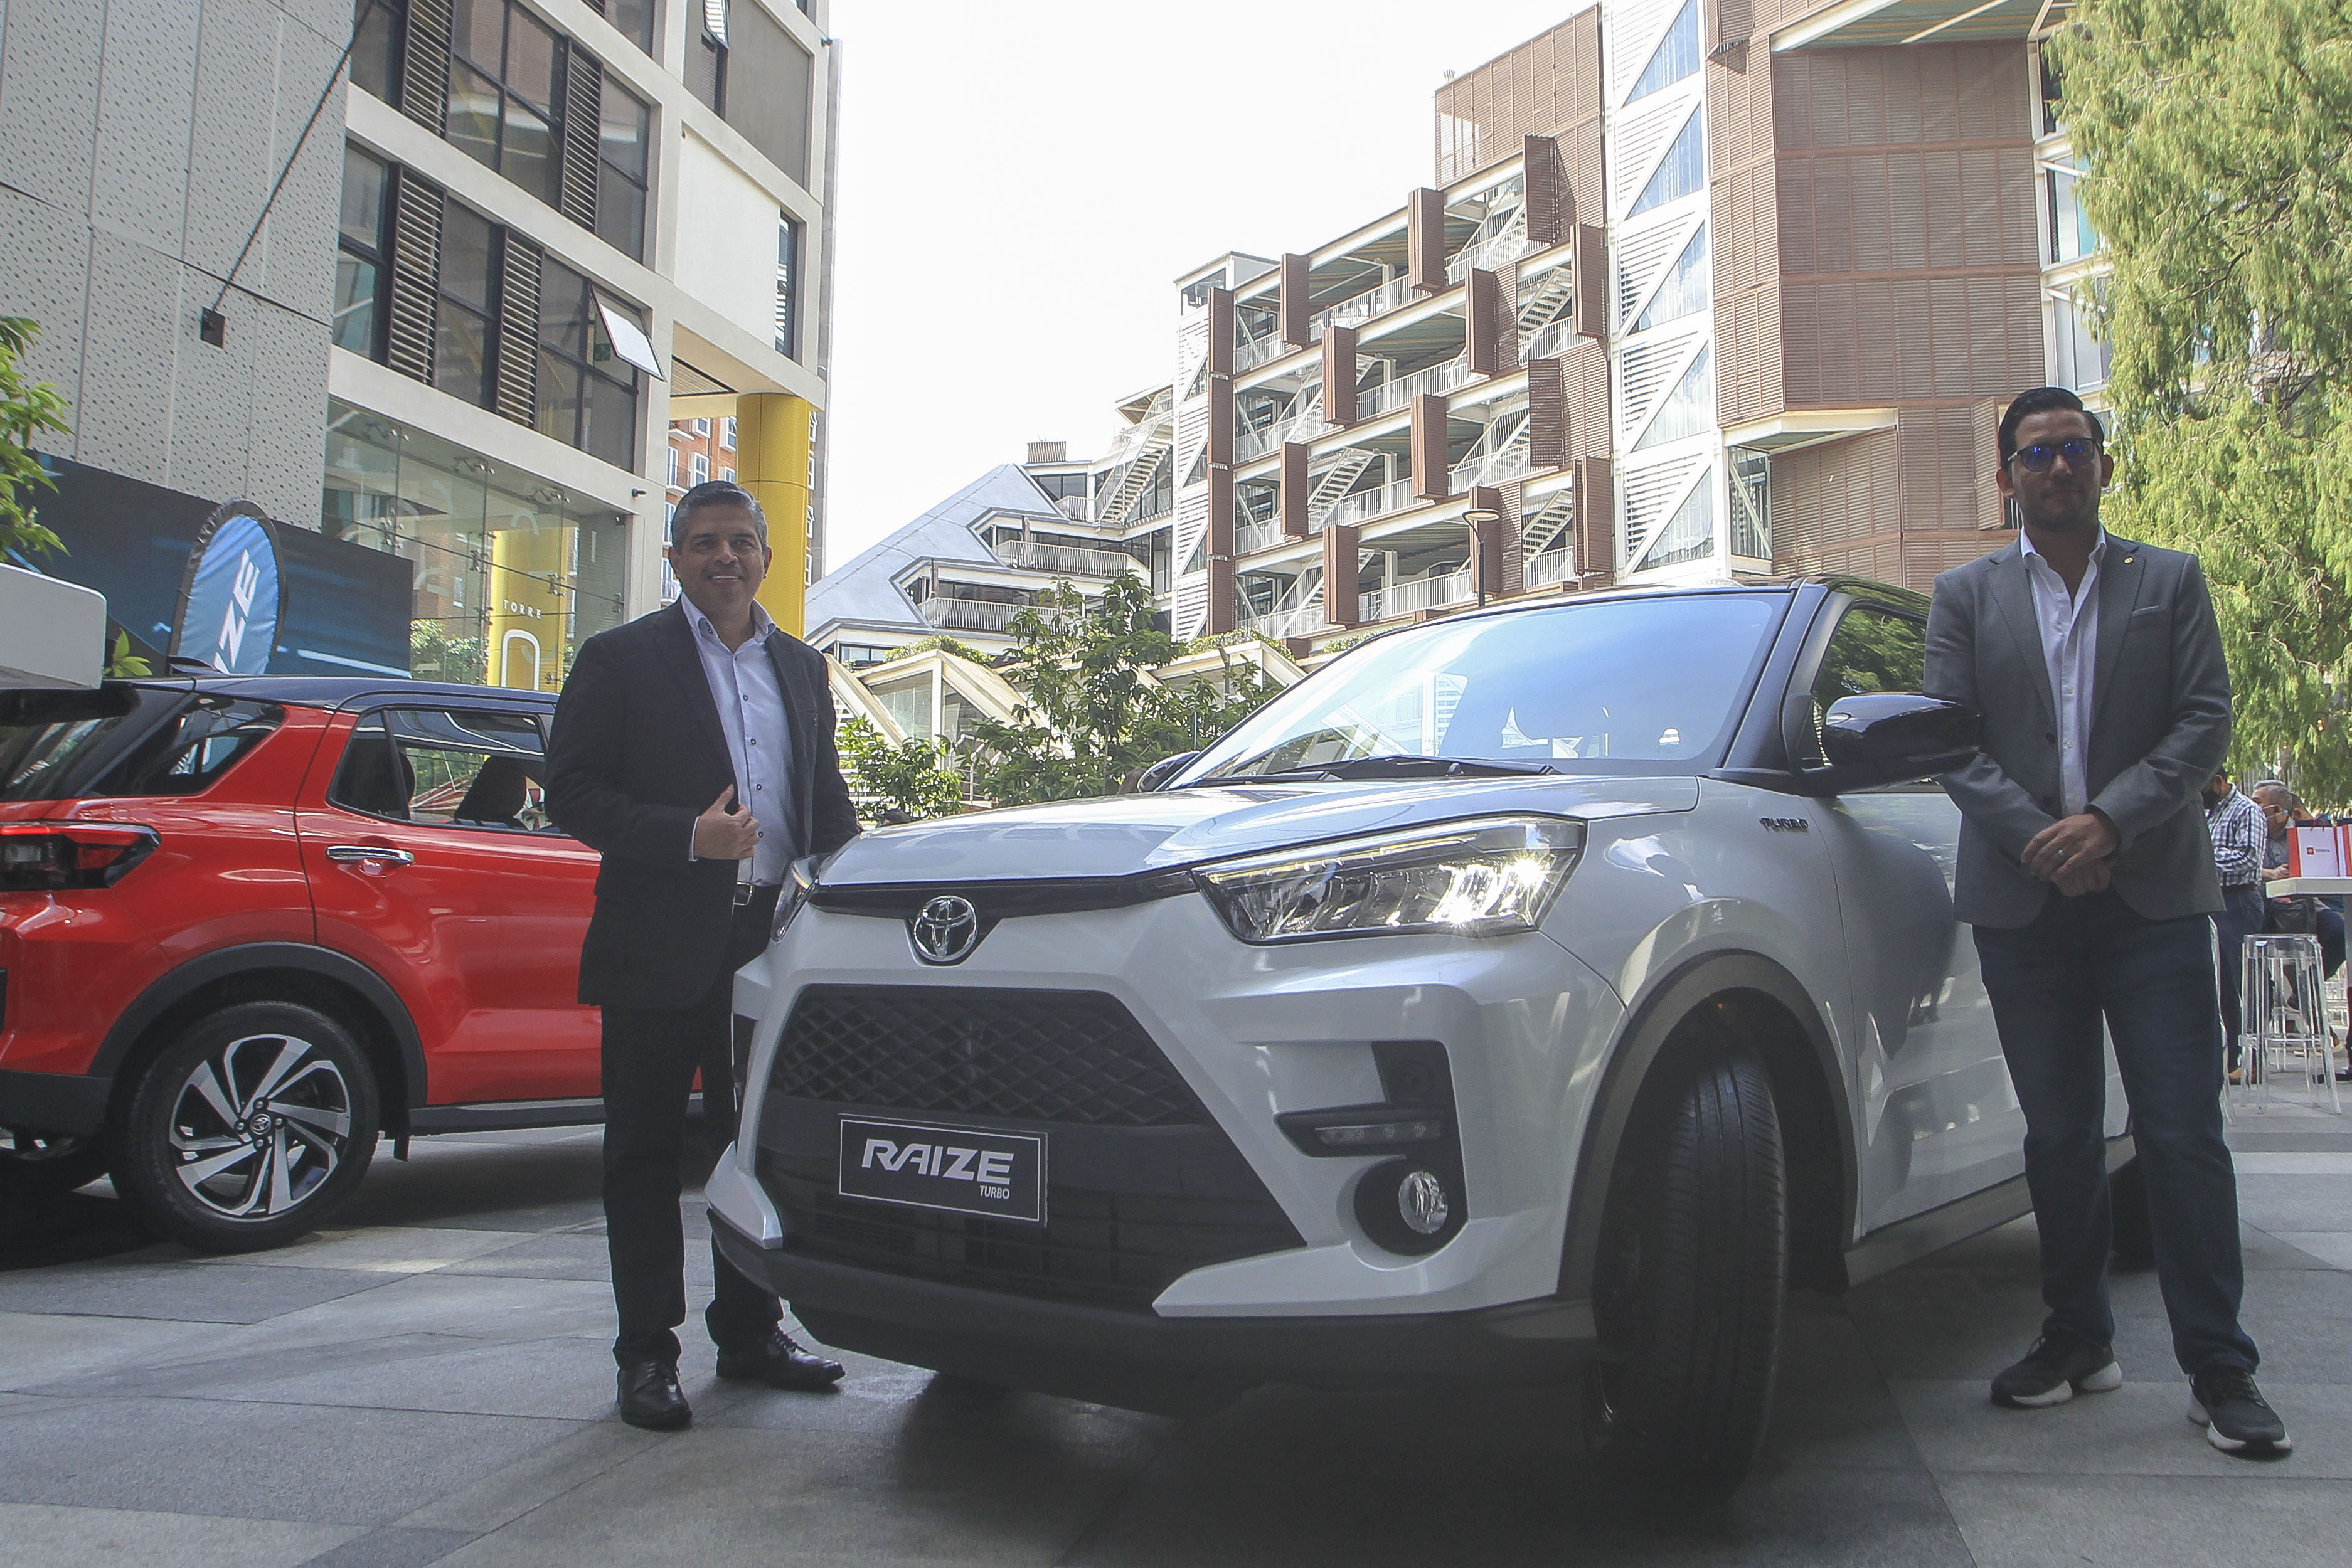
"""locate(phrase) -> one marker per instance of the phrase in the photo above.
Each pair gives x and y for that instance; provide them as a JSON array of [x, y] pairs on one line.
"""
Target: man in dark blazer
[[2087, 872], [693, 748]]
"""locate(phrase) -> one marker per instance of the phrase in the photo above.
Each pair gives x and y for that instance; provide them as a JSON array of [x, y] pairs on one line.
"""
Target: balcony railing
[[1295, 620], [1250, 537], [1365, 505], [1373, 401], [1552, 566], [1358, 309], [1548, 341], [969, 614], [1303, 422], [1492, 468], [1073, 560], [1252, 353], [1423, 593]]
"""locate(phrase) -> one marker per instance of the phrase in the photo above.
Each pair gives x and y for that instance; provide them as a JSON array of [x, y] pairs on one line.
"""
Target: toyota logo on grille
[[946, 931]]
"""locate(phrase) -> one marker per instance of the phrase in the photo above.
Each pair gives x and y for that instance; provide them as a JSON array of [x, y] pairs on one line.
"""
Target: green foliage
[[913, 775], [121, 664], [435, 655], [1091, 718], [2216, 133], [27, 410], [943, 644]]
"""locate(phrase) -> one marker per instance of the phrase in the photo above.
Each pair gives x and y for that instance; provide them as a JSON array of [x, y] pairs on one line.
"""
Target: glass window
[[378, 34], [775, 118], [701, 427], [1684, 290], [450, 768], [699, 467], [59, 746], [2072, 235], [624, 135], [1872, 650], [1683, 170], [726, 432], [361, 276], [634, 18], [1751, 504], [504, 64], [464, 334], [1653, 680], [788, 266], [1676, 55], [673, 470], [1689, 534], [587, 394], [1690, 409]]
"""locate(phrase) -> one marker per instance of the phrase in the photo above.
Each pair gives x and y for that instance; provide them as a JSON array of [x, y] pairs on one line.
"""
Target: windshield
[[1603, 687]]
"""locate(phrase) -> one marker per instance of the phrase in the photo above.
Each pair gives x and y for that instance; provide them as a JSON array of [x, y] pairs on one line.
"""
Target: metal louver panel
[[1547, 425], [1551, 204], [424, 63], [516, 376], [1432, 478], [584, 97], [1296, 317], [1342, 603], [1595, 507], [1221, 332], [1588, 391], [1296, 489], [415, 269], [1220, 517], [1591, 254], [1220, 423], [1339, 372], [1486, 325], [1424, 220]]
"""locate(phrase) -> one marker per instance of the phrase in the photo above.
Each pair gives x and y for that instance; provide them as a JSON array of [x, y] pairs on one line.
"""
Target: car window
[[1619, 684], [122, 741], [1871, 650], [450, 767]]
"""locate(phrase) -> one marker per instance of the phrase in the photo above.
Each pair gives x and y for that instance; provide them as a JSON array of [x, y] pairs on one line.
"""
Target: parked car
[[249, 925], [1531, 995]]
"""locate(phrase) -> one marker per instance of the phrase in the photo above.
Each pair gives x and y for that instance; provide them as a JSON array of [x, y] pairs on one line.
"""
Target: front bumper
[[1151, 1363], [57, 1103]]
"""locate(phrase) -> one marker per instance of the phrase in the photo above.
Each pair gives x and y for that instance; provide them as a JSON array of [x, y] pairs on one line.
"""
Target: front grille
[[1098, 1247], [1042, 1056]]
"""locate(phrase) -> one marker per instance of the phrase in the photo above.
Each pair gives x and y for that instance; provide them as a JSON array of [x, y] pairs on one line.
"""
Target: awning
[[1879, 24]]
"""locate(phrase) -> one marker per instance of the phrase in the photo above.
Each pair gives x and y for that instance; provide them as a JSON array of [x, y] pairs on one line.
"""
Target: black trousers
[[651, 1055]]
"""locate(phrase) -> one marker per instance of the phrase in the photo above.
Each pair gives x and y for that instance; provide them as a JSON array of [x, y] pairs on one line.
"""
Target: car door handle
[[383, 853]]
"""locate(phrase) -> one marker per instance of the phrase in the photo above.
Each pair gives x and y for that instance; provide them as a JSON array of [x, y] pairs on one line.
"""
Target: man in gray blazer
[[2087, 872]]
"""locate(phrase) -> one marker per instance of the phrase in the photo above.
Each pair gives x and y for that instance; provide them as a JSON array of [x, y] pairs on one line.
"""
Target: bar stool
[[2282, 1015]]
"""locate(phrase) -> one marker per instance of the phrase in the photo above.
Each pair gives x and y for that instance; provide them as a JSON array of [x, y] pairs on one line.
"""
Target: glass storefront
[[509, 572]]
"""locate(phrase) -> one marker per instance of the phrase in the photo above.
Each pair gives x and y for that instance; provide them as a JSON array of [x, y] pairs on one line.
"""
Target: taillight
[[56, 857]]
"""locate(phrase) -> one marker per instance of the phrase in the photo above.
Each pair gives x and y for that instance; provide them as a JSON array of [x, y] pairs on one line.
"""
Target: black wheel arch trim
[[226, 963], [1660, 1014]]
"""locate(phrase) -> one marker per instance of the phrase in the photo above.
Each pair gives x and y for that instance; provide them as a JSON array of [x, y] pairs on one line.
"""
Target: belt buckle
[[743, 891]]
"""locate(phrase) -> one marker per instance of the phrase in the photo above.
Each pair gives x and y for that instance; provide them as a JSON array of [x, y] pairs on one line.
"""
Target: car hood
[[1121, 835]]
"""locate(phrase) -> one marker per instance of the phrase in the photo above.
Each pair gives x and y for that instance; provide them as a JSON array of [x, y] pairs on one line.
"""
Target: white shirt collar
[[762, 627], [2098, 546]]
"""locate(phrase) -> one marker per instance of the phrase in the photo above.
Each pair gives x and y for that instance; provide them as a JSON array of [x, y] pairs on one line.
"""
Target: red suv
[[249, 924]]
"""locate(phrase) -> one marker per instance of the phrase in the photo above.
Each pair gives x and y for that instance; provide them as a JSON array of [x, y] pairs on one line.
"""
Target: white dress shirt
[[759, 739], [2069, 624]]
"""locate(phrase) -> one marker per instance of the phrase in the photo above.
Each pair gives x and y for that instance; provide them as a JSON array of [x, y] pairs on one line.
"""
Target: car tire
[[35, 1162], [1691, 1280], [2131, 1237], [249, 1129]]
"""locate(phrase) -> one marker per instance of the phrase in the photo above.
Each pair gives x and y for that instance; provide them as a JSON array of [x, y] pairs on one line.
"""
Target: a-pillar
[[775, 444]]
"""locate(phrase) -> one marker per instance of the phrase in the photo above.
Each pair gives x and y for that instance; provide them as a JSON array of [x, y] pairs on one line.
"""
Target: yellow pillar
[[775, 459], [526, 623]]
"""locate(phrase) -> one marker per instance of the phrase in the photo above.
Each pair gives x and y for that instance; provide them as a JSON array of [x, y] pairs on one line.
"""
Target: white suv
[[1532, 995]]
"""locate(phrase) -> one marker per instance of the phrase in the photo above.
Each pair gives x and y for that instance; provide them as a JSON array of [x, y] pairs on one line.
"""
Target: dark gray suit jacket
[[2159, 728]]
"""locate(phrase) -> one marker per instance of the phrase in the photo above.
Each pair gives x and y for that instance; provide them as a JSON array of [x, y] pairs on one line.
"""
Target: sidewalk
[[433, 1385]]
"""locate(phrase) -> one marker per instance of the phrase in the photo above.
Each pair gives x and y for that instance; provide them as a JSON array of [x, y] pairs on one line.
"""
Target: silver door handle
[[379, 852]]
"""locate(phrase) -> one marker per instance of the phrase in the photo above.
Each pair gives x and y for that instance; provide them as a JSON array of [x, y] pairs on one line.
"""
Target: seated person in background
[[2318, 916]]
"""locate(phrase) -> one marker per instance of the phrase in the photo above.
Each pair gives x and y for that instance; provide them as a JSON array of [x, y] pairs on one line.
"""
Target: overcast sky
[[1021, 182]]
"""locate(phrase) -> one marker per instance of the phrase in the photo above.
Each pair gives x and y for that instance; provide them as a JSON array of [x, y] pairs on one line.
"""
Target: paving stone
[[45, 1347], [393, 1548], [253, 1460], [2141, 1428], [57, 1537], [2256, 1515], [213, 1291]]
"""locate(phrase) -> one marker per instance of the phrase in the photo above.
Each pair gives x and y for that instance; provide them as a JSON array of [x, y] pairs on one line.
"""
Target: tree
[[913, 775], [1092, 716], [2216, 133], [434, 655], [27, 410]]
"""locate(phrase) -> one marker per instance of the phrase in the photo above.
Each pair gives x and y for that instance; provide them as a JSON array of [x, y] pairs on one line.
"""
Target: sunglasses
[[2077, 450]]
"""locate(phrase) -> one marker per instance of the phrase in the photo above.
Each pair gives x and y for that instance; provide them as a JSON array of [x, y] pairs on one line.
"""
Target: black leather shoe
[[650, 1398], [779, 1362]]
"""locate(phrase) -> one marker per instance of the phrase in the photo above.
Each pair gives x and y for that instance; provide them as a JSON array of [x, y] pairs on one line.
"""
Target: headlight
[[800, 880], [1483, 878]]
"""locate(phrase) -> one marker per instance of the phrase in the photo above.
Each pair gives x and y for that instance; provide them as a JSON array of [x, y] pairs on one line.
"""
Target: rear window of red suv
[[123, 740]]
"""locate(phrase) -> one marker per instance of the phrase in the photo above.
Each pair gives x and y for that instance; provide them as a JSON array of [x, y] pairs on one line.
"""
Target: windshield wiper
[[1399, 766]]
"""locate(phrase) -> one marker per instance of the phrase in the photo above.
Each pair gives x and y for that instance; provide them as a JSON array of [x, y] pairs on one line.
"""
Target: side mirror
[[1160, 772], [1884, 737]]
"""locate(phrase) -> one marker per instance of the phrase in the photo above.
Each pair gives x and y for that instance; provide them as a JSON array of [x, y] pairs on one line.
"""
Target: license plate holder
[[957, 1170]]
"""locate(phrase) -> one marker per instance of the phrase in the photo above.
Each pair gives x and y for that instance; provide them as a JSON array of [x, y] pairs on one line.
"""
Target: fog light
[[1421, 1203], [1375, 1134], [1410, 1206]]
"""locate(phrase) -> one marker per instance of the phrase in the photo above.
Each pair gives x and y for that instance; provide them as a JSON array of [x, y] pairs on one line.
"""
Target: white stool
[[2283, 1016]]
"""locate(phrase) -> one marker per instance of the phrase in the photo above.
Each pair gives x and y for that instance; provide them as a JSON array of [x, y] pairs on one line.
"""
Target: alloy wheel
[[259, 1125]]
